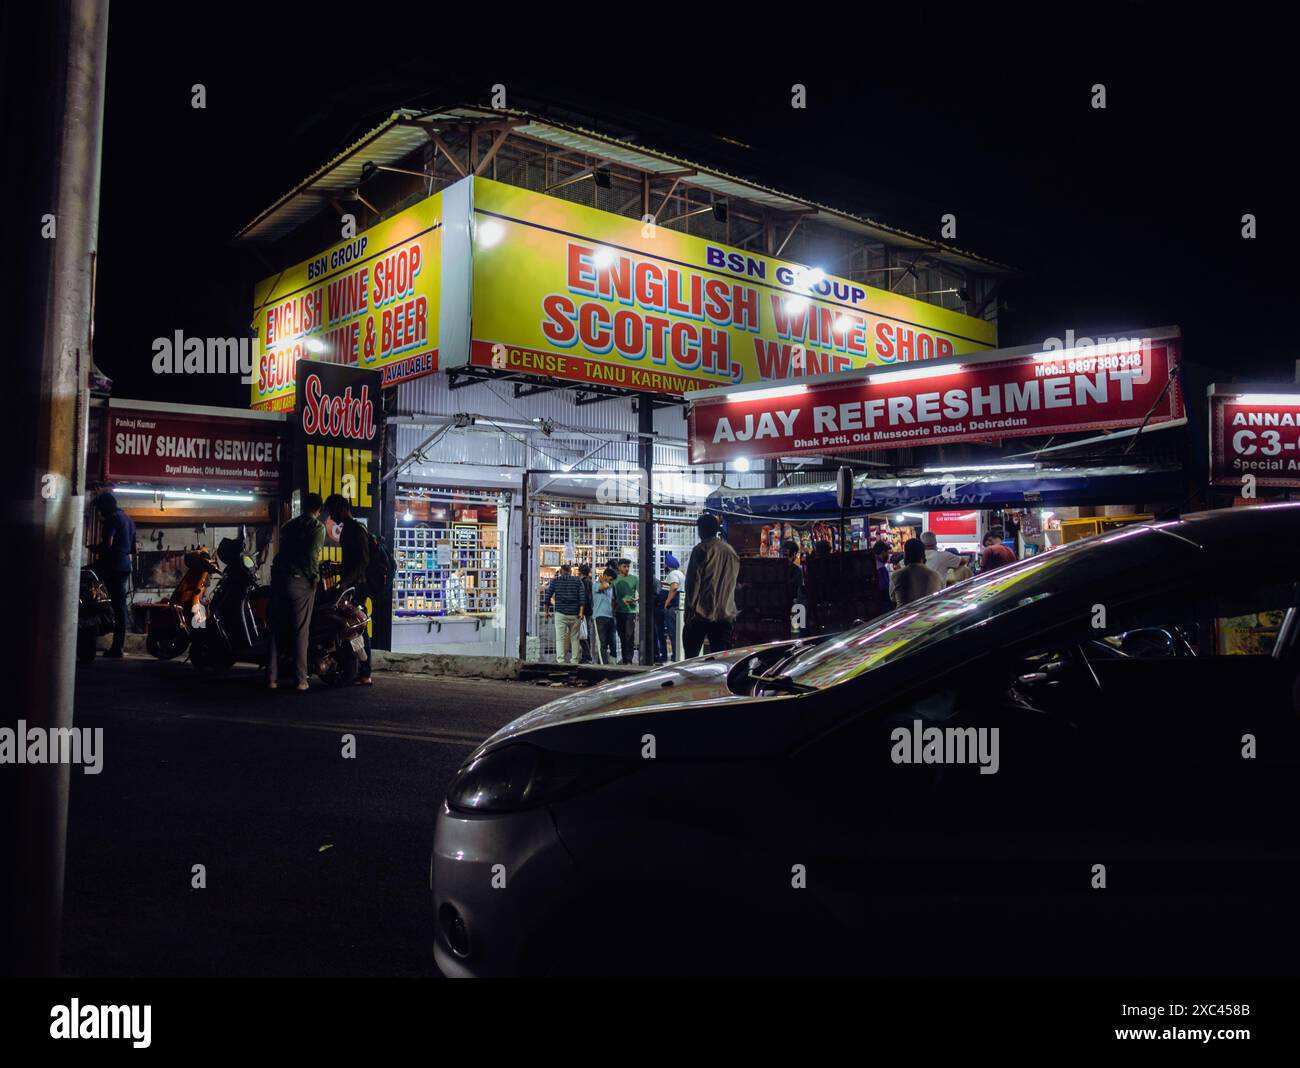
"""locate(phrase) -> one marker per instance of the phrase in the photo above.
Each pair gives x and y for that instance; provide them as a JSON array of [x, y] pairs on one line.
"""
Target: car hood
[[694, 690]]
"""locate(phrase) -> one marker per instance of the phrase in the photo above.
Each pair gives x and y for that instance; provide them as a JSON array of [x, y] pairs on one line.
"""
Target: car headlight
[[522, 776]]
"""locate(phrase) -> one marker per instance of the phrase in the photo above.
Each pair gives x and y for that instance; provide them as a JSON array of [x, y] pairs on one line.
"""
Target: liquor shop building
[[542, 298]]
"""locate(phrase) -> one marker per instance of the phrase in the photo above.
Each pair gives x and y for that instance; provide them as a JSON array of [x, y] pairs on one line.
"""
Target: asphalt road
[[315, 864]]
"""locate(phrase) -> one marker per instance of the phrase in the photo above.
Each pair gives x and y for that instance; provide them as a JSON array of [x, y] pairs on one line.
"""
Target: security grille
[[580, 532]]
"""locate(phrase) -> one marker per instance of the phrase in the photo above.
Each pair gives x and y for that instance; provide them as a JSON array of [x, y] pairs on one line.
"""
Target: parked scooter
[[237, 627], [94, 614], [170, 622]]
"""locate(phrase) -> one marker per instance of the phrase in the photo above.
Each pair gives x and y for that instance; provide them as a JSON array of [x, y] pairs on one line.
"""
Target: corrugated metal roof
[[392, 140], [387, 142]]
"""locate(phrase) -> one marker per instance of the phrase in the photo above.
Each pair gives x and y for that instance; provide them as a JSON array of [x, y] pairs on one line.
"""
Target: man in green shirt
[[625, 596], [295, 572]]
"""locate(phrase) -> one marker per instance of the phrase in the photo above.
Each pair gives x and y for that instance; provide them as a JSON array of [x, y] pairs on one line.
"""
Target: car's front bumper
[[503, 876]]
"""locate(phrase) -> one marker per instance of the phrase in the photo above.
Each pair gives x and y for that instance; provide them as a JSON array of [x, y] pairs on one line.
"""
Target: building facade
[[540, 297]]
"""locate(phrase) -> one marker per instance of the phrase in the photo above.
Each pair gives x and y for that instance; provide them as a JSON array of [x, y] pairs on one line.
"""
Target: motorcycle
[[94, 614], [236, 626], [170, 623]]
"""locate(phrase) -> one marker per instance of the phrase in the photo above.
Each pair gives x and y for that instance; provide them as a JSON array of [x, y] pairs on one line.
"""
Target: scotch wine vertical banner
[[338, 439]]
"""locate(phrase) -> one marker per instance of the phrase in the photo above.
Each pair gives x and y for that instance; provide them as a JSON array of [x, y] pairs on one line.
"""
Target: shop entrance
[[565, 530]]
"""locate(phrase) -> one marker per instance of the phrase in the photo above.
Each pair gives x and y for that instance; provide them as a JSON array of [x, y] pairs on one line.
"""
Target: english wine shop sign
[[1060, 392], [1254, 433]]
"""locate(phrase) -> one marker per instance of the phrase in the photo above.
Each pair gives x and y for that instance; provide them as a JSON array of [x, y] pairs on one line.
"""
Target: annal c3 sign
[[1255, 431]]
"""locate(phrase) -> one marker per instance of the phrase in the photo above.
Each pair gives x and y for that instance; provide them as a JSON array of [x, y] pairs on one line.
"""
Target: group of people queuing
[[925, 568], [596, 619]]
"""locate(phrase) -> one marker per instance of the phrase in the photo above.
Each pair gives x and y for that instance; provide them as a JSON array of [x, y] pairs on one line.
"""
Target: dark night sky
[[1122, 218]]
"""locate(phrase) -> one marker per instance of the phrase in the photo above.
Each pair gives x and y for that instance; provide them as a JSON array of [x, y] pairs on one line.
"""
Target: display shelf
[[427, 557]]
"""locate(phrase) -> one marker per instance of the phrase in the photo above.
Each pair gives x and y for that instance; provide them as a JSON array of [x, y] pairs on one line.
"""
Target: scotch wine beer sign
[[1004, 394], [370, 301], [1255, 432]]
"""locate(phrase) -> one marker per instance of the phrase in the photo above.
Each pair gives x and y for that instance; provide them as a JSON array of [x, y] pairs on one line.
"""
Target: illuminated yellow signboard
[[565, 291], [370, 301]]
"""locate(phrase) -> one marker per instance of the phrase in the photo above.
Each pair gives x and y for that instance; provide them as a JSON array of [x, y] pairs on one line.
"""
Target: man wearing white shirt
[[936, 559], [673, 582]]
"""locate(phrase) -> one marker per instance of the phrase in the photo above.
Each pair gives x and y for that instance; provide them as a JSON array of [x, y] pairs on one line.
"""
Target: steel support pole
[[525, 556], [64, 125], [645, 425]]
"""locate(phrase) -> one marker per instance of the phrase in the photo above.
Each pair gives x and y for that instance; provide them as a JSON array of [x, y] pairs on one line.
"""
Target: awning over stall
[[1125, 484]]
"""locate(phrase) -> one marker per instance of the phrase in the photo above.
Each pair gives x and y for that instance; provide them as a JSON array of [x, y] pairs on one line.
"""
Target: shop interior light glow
[[1266, 398], [741, 463], [178, 495], [915, 372], [976, 467], [767, 394]]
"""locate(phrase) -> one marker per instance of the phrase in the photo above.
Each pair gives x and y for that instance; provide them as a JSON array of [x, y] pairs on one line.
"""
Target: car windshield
[[1063, 573]]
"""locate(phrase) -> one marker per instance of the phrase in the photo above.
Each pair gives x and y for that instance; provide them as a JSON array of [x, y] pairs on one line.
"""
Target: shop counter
[[465, 633]]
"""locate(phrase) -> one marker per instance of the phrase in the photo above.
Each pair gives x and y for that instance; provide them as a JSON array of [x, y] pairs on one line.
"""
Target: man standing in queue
[[295, 573], [625, 608], [710, 590], [354, 540]]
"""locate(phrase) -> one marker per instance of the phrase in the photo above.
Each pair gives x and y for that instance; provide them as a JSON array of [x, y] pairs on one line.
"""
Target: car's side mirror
[[1147, 643]]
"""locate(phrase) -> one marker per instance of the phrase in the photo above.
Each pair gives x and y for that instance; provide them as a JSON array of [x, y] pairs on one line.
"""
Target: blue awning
[[1048, 486]]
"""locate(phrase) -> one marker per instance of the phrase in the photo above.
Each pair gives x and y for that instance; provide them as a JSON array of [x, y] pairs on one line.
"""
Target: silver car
[[759, 812]]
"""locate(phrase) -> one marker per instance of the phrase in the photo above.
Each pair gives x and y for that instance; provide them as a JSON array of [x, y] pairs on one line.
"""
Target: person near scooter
[[295, 574], [114, 566], [355, 543]]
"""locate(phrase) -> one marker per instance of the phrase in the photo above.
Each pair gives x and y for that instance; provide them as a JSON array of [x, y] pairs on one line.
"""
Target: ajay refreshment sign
[[979, 398]]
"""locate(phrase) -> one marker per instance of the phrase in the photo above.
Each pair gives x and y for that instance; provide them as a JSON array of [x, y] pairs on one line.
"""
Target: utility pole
[[60, 117]]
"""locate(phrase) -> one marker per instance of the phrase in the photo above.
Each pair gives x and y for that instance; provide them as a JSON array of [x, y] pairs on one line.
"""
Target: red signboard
[[1255, 433], [1047, 393], [191, 451], [952, 524]]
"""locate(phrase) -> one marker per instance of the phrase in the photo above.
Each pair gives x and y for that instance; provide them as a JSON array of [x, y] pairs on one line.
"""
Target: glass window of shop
[[449, 571]]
